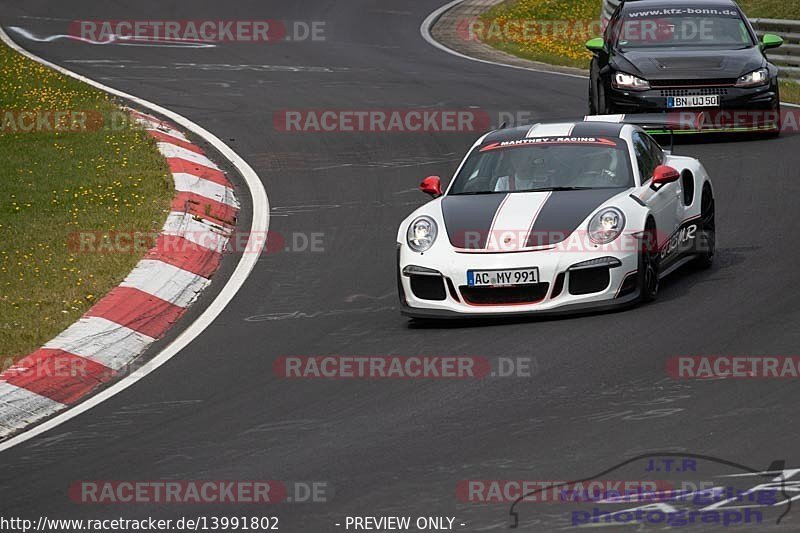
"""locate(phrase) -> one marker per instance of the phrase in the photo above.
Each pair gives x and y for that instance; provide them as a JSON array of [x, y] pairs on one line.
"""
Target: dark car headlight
[[622, 80], [754, 79]]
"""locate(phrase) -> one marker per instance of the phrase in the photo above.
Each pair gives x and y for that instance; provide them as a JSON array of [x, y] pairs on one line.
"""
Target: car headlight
[[606, 225], [754, 79], [421, 234], [629, 81]]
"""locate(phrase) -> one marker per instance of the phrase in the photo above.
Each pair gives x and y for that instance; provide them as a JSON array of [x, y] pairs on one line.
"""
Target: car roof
[[556, 129], [677, 3]]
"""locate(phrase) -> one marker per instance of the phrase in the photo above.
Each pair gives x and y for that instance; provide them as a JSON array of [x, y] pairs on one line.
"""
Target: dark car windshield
[[680, 27], [545, 164]]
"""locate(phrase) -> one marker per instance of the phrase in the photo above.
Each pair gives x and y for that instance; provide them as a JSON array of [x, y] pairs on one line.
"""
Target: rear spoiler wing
[[658, 123]]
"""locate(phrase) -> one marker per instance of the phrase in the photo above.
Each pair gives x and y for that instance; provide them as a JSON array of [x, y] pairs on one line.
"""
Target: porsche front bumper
[[434, 284]]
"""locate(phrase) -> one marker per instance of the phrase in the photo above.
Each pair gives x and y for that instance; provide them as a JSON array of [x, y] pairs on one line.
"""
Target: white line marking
[[168, 282], [108, 343], [115, 39], [246, 264], [189, 183]]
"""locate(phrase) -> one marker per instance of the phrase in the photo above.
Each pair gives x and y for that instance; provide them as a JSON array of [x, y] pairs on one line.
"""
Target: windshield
[[545, 164], [681, 27]]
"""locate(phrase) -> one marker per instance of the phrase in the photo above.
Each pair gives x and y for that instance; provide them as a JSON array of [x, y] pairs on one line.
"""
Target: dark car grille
[[428, 287], [700, 91], [709, 82], [522, 294], [588, 280]]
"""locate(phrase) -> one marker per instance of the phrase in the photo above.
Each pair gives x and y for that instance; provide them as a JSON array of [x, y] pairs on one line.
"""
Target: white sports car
[[555, 218]]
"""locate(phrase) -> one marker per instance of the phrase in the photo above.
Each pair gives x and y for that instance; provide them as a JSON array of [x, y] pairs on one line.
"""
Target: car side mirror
[[596, 45], [664, 174], [771, 41], [431, 185]]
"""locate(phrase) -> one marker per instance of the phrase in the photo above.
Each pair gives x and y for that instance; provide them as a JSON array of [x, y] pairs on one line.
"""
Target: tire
[[648, 265], [777, 133], [592, 106], [602, 108], [707, 240]]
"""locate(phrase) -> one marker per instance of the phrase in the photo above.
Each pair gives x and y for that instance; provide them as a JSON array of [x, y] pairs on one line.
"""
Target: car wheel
[[648, 265], [603, 107], [708, 232], [592, 106]]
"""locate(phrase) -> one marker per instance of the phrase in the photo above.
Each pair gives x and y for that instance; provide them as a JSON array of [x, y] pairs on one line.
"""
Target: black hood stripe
[[469, 218], [564, 212]]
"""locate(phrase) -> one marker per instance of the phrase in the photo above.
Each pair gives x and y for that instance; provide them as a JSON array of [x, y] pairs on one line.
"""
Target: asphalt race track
[[599, 392]]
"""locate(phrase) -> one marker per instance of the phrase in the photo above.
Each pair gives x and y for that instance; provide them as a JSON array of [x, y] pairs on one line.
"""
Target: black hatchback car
[[680, 56]]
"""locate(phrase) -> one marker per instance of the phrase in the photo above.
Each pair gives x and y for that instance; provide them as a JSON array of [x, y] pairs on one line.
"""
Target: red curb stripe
[[204, 207], [176, 164], [137, 310], [185, 254], [163, 137], [61, 376]]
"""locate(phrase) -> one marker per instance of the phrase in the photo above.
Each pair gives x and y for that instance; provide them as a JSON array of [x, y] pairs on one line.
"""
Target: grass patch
[[790, 92], [503, 27], [54, 184], [771, 9]]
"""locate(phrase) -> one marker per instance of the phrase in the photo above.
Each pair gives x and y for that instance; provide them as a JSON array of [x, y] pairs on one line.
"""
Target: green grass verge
[[55, 184], [502, 28], [790, 92], [771, 9]]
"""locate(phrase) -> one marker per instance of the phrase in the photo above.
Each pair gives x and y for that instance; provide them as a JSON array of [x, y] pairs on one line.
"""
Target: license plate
[[693, 101], [517, 276]]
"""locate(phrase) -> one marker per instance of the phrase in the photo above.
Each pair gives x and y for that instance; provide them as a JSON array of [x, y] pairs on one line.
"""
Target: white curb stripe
[[172, 150], [168, 282], [20, 407], [214, 191], [203, 234], [149, 125], [102, 341]]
